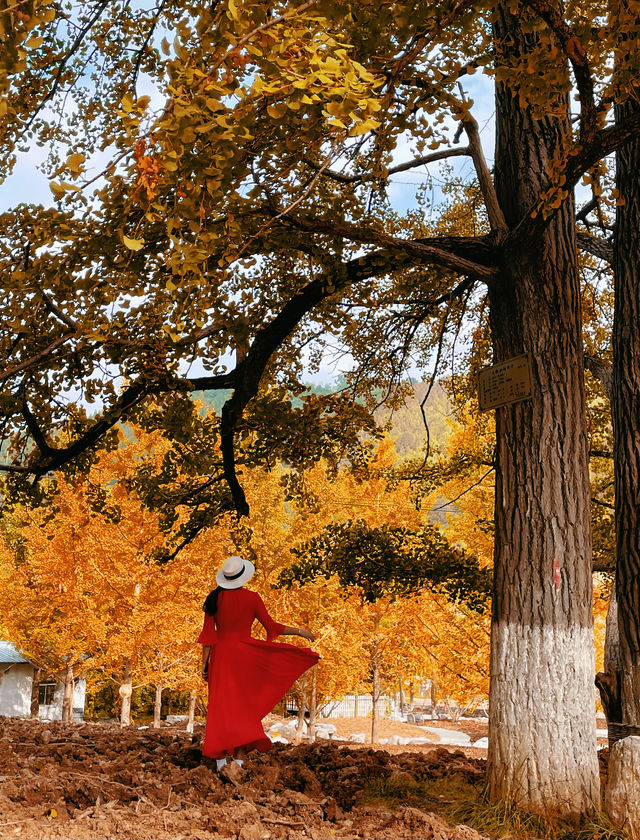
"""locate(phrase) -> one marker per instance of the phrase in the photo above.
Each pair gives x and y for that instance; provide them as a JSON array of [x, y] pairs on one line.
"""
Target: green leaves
[[387, 561]]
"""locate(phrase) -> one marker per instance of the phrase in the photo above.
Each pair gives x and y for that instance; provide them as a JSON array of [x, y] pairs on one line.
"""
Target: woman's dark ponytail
[[211, 601]]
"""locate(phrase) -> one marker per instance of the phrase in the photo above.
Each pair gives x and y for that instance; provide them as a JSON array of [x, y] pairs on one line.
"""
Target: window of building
[[46, 691]]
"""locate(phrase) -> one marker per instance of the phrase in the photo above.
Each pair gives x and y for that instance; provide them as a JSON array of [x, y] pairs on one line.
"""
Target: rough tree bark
[[626, 419], [67, 698], [542, 741], [620, 683]]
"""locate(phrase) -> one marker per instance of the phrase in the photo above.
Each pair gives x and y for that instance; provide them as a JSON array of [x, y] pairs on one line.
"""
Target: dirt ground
[[95, 781]]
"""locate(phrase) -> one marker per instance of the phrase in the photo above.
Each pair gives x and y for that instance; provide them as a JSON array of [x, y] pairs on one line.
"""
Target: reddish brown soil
[[95, 781]]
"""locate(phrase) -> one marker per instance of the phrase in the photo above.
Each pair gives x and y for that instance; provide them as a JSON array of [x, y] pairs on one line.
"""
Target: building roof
[[8, 653]]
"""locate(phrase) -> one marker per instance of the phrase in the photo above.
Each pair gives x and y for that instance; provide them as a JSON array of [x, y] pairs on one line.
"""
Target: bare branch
[[84, 30], [494, 211], [602, 504], [62, 316], [34, 360], [401, 167]]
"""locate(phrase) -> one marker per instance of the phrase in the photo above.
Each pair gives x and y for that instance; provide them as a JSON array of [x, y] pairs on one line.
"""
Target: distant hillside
[[407, 422]]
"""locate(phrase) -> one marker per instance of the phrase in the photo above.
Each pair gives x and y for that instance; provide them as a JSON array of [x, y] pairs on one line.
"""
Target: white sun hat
[[235, 572]]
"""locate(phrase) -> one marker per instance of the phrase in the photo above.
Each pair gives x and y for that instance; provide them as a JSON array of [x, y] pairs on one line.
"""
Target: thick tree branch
[[604, 142], [54, 458], [576, 53], [494, 211], [602, 371], [423, 254], [587, 208], [595, 246], [270, 337], [34, 430]]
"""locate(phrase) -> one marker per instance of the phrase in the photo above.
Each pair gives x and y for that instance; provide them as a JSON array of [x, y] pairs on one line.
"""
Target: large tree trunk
[[542, 745], [626, 419], [621, 681], [67, 698]]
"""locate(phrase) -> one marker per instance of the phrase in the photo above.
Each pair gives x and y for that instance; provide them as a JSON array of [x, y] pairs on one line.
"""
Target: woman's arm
[[206, 652], [297, 631], [276, 628]]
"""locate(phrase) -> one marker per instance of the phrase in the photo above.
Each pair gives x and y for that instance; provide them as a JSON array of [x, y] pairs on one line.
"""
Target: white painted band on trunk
[[542, 744]]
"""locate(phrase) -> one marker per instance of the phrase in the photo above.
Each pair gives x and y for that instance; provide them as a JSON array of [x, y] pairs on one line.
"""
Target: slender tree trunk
[[313, 704], [125, 691], [355, 704], [157, 706], [193, 697], [35, 692], [542, 740], [375, 680], [67, 698], [375, 694], [302, 708], [411, 694]]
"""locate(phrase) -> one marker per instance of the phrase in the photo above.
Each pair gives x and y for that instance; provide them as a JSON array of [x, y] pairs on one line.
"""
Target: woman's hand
[[306, 634]]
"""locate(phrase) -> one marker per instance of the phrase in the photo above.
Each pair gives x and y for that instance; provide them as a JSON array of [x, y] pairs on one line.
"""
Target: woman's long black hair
[[211, 601]]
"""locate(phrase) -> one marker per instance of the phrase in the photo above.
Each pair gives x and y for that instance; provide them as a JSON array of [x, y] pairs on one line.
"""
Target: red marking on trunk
[[556, 574]]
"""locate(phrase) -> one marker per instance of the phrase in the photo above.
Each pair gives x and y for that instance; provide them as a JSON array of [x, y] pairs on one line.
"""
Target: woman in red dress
[[246, 676]]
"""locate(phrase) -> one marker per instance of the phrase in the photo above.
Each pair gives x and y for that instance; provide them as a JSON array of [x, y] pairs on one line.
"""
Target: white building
[[16, 681]]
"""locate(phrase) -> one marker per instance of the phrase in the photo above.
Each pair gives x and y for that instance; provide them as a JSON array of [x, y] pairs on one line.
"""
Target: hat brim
[[246, 575]]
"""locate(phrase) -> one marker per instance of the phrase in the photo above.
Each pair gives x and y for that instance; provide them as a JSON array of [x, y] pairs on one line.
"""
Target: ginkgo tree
[[84, 587], [244, 210]]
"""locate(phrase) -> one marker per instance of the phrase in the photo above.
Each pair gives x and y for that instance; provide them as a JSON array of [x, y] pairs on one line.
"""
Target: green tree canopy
[[388, 560]]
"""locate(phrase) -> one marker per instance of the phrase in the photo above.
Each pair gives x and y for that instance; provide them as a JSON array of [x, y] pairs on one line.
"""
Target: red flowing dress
[[246, 676]]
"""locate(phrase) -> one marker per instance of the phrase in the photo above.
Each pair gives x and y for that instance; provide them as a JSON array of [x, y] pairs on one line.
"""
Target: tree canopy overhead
[[240, 205]]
